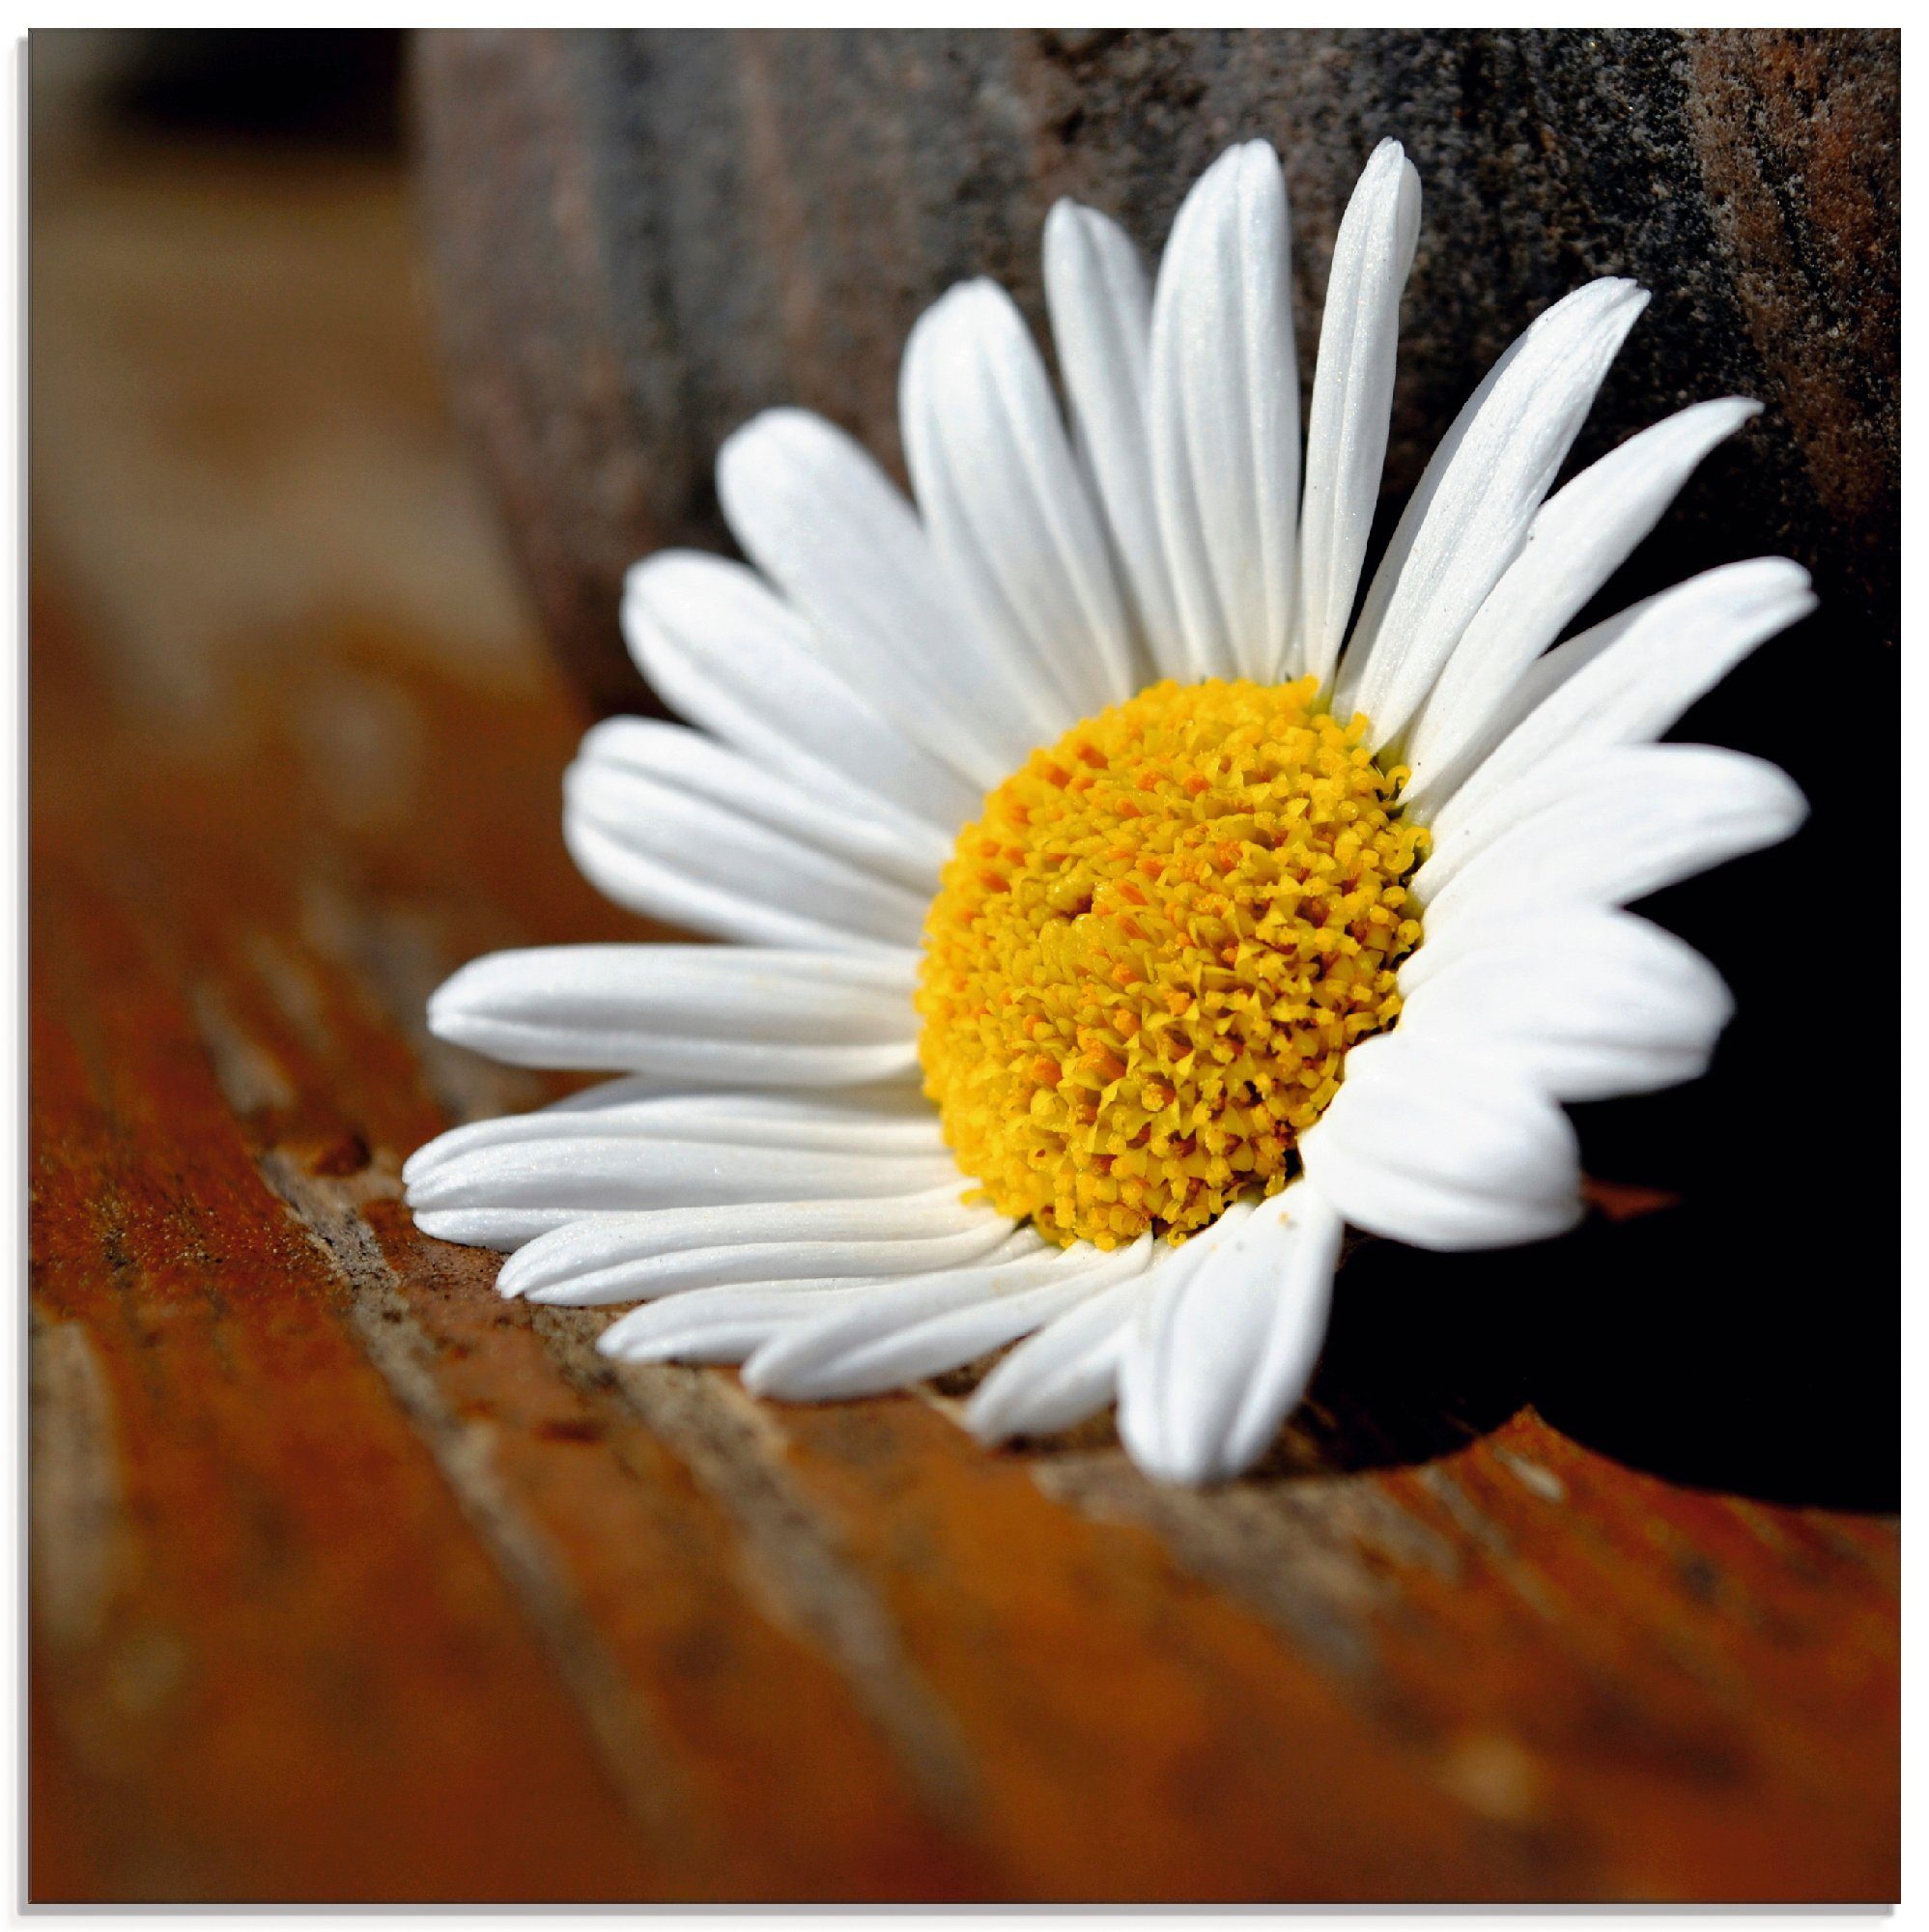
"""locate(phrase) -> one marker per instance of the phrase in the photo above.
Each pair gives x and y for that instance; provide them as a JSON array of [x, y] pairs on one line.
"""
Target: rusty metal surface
[[350, 1581]]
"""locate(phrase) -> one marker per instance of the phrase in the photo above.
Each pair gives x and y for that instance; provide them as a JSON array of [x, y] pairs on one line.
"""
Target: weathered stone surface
[[643, 239]]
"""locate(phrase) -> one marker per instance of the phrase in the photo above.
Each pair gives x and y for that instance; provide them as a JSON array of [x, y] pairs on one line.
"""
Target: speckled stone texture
[[643, 239]]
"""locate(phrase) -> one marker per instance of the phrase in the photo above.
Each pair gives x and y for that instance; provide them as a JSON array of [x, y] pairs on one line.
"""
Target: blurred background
[[238, 421], [361, 365]]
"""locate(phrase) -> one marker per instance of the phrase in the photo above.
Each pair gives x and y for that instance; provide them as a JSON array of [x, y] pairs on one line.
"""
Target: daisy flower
[[1118, 918]]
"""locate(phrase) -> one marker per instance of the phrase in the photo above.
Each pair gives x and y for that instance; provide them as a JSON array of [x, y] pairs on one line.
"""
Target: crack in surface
[[734, 1449], [1296, 1554], [620, 1728], [78, 1519]]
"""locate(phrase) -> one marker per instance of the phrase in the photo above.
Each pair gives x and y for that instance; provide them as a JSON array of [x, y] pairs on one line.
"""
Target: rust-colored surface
[[350, 1581]]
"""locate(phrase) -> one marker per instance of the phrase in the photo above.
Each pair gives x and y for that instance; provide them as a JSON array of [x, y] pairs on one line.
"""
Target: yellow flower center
[[1147, 960]]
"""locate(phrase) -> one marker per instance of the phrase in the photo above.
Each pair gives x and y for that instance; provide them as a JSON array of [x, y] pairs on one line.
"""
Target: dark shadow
[[1748, 1339], [1724, 1345], [1713, 1345], [1407, 1373], [281, 86]]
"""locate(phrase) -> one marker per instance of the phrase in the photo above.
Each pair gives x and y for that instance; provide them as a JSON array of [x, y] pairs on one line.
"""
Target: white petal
[[729, 1323], [714, 1325], [880, 1120], [906, 1330], [1101, 314], [1352, 401], [1589, 1003], [742, 1264], [709, 1014], [597, 1173], [1471, 513], [721, 648], [870, 837], [823, 523], [1443, 1151], [610, 1245], [668, 853], [1223, 1351], [787, 1118], [1007, 509], [1066, 1372], [501, 1228], [1581, 536], [618, 1092], [1628, 680], [502, 1131], [1612, 828], [1225, 417], [1174, 1268]]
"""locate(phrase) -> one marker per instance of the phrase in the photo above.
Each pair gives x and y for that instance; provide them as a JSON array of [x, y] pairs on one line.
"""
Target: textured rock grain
[[643, 239]]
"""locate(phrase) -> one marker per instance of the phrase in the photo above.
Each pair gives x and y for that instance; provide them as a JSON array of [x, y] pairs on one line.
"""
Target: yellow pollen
[[1147, 960]]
